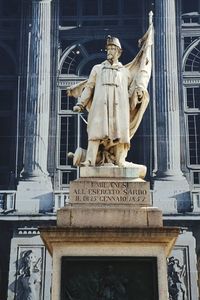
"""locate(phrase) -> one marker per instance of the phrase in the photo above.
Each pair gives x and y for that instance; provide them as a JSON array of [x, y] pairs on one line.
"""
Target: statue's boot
[[86, 163], [121, 151], [91, 155]]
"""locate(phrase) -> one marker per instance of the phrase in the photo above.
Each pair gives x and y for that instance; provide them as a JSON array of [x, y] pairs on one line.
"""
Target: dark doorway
[[106, 278]]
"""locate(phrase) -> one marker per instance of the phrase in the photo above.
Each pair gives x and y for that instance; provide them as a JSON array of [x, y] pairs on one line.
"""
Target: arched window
[[76, 56], [79, 58], [192, 58], [191, 80]]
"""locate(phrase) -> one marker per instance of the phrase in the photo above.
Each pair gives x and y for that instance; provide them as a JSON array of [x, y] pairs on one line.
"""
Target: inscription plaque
[[110, 192], [109, 278]]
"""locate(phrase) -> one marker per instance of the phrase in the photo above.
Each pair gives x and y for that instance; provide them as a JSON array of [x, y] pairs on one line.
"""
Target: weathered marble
[[116, 97], [136, 172], [123, 217], [109, 202]]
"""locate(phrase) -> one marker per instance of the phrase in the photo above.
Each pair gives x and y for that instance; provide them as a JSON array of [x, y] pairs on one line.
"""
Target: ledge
[[150, 236]]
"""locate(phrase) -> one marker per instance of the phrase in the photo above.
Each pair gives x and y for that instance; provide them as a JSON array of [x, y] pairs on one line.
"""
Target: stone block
[[112, 172], [34, 196], [154, 216], [87, 216], [172, 196]]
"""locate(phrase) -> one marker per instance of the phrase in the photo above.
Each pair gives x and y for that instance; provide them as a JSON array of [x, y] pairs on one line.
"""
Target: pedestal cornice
[[57, 235]]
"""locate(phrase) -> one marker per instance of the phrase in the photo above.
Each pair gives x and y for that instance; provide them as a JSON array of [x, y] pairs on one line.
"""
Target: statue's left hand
[[139, 92], [77, 109]]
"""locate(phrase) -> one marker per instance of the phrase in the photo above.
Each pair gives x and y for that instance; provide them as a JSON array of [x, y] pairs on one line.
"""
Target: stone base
[[106, 242], [87, 216], [109, 217], [135, 173], [34, 195], [172, 196], [109, 202]]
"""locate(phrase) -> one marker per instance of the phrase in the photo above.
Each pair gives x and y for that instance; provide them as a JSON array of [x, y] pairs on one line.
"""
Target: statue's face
[[112, 53]]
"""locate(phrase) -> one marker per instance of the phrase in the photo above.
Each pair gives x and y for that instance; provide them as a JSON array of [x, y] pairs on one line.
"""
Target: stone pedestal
[[109, 202], [172, 196], [109, 221], [34, 196]]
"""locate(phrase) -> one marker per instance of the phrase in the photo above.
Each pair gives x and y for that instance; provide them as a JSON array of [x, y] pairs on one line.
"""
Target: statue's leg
[[121, 151], [91, 155]]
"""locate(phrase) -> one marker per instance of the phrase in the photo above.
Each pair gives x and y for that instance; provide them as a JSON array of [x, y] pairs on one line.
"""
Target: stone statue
[[29, 276], [116, 98], [176, 276]]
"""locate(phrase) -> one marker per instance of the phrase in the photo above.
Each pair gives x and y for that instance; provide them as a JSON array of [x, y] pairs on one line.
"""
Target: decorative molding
[[66, 83], [191, 81], [27, 231], [188, 31], [29, 282], [178, 274]]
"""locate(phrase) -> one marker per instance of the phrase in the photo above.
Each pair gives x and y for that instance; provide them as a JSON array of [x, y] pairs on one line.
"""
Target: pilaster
[[38, 100], [171, 190], [167, 94], [34, 192]]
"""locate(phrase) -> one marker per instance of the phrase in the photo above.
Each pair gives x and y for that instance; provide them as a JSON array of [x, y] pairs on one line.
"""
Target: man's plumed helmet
[[111, 40]]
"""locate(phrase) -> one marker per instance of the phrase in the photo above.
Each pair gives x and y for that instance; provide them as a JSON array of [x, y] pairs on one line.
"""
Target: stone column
[[167, 91], [38, 89]]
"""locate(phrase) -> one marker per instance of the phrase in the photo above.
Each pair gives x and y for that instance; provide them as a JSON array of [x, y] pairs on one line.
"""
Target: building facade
[[48, 45]]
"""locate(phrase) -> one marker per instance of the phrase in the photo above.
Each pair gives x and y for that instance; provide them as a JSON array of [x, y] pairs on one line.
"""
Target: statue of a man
[[116, 97]]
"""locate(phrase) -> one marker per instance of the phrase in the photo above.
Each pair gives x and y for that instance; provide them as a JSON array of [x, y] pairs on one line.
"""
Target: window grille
[[192, 63], [196, 177]]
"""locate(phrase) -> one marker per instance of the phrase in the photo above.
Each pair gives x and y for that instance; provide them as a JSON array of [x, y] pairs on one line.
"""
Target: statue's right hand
[[77, 108]]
